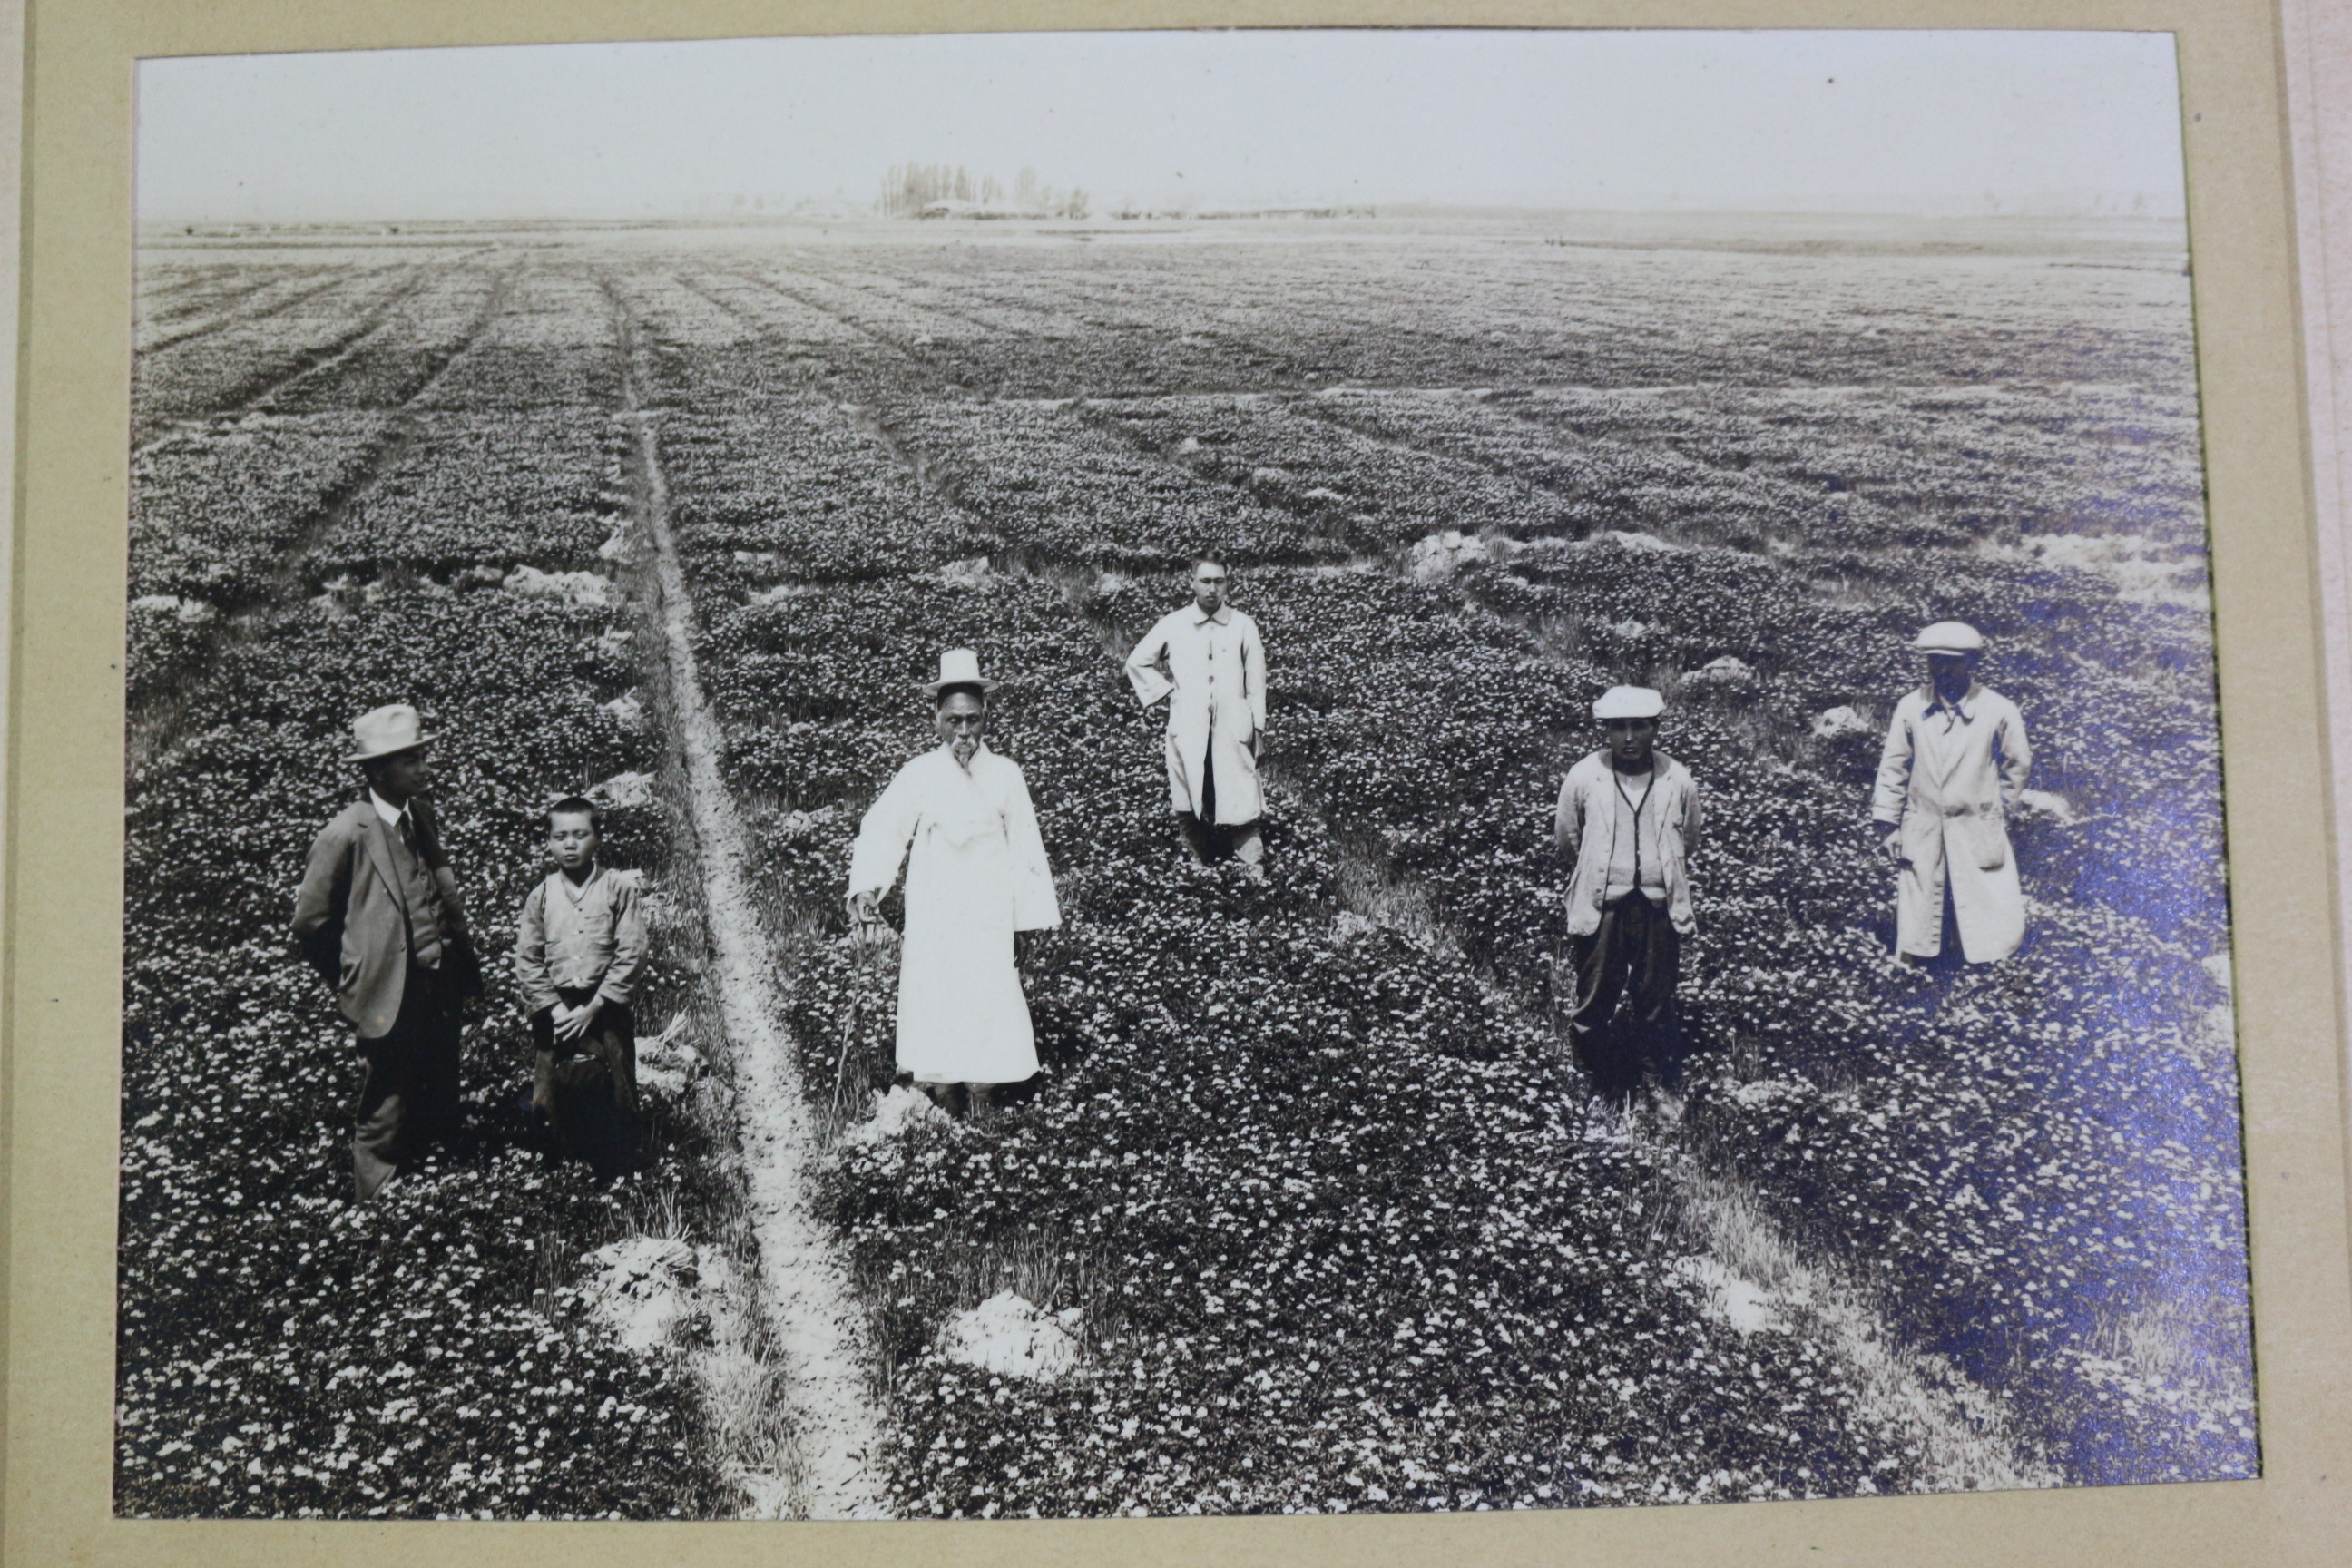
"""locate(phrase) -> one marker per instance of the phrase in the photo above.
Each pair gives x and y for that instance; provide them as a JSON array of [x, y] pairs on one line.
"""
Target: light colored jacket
[[1587, 816], [1947, 777], [1211, 669], [577, 938]]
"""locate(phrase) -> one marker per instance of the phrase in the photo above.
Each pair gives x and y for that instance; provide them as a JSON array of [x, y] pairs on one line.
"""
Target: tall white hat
[[1949, 636], [959, 667], [1628, 702], [381, 731]]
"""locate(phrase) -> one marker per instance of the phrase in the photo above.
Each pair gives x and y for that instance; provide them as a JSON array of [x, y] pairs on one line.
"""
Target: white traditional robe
[[976, 874], [1948, 775], [1212, 670]]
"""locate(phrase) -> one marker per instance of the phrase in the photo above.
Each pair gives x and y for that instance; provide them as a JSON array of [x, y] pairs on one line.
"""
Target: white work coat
[[1587, 820], [1947, 777], [976, 874], [1211, 669]]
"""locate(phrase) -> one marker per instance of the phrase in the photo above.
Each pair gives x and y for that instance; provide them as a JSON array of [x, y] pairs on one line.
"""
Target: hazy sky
[[1918, 120]]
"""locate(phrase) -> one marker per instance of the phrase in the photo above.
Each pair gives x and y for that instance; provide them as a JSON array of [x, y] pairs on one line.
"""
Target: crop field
[[1309, 1197]]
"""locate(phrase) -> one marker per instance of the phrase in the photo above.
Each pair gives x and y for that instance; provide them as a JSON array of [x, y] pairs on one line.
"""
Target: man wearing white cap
[[379, 917], [1208, 661], [1956, 761], [960, 819], [1628, 814]]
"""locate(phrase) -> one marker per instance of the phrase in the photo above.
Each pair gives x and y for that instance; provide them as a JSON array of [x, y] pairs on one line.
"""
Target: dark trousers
[[1636, 956], [1209, 839], [591, 1084], [408, 1096]]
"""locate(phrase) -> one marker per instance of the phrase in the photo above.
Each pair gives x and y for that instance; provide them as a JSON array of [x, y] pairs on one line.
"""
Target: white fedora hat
[[1628, 702], [959, 667], [1949, 636], [381, 731]]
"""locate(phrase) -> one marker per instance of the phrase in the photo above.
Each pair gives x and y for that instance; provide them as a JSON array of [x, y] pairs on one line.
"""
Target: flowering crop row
[[1378, 494], [247, 355], [420, 332], [191, 298], [800, 483], [1048, 482], [552, 345], [1394, 705], [484, 490], [1995, 1152], [1322, 1204], [1494, 311], [281, 1351]]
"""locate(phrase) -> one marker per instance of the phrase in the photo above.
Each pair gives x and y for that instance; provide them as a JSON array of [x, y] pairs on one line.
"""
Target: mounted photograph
[[1082, 774]]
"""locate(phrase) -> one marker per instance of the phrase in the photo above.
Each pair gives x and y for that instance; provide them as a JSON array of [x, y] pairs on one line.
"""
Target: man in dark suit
[[379, 917]]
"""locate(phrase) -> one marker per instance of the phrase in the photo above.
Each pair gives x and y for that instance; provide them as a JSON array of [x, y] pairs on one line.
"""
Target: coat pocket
[[1989, 840]]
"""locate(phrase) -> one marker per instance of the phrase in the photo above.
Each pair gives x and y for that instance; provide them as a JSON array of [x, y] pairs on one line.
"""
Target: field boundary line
[[812, 1309]]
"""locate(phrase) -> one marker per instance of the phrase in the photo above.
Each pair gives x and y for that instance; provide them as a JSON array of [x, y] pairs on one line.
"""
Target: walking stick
[[849, 1021]]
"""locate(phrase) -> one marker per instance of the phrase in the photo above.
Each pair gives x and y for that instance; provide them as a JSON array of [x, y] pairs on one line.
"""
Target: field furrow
[[836, 1434]]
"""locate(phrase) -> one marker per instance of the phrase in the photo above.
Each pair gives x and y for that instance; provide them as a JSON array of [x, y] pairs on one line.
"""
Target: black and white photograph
[[1083, 774]]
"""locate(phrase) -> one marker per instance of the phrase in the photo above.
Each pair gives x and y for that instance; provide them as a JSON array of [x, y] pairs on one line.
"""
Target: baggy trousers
[[591, 1084], [1635, 955], [1209, 838], [408, 1095]]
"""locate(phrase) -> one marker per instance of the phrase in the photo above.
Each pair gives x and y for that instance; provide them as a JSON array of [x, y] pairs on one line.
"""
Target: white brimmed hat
[[381, 731], [1628, 702], [959, 667], [1949, 636]]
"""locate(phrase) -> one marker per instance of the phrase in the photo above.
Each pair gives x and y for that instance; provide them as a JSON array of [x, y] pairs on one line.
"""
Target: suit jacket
[[350, 923]]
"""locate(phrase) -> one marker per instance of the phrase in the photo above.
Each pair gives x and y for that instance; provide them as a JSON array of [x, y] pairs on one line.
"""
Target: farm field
[[1309, 1206]]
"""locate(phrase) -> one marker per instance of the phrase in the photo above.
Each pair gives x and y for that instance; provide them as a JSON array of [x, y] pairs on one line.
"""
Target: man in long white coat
[[960, 819], [1207, 660], [1956, 761]]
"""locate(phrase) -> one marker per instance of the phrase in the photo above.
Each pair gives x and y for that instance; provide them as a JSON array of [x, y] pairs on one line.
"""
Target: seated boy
[[578, 953]]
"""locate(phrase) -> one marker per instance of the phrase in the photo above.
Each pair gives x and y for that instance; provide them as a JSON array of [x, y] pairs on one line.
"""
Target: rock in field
[[1727, 671], [623, 790], [580, 588], [1838, 722], [1006, 1335], [1440, 554]]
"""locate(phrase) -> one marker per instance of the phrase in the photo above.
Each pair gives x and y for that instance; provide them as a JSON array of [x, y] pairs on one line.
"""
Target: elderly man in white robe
[[978, 888], [1208, 661], [1956, 761]]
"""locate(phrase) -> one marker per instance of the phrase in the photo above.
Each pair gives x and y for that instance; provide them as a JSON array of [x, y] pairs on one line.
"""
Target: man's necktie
[[408, 832]]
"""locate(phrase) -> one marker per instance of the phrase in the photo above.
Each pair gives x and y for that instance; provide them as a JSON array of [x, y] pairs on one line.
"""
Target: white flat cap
[[1628, 702], [1949, 636]]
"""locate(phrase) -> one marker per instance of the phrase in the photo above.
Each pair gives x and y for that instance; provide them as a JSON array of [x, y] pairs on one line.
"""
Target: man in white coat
[[977, 888], [1628, 814], [1956, 761], [1207, 660]]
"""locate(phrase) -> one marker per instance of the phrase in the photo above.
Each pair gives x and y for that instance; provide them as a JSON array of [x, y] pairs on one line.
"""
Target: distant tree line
[[908, 188]]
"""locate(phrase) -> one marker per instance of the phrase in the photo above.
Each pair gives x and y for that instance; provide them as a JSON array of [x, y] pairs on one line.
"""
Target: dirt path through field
[[811, 1309]]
